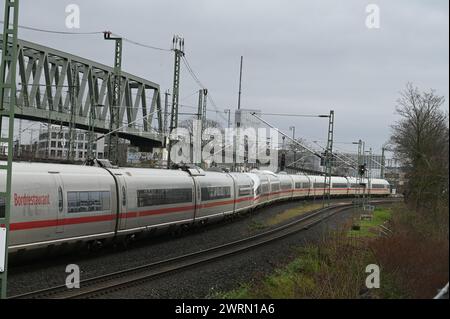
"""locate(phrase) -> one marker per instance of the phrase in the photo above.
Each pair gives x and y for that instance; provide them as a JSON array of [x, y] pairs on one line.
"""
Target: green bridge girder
[[45, 77]]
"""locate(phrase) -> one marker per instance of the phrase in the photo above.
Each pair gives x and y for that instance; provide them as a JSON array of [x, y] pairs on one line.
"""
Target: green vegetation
[[370, 227]]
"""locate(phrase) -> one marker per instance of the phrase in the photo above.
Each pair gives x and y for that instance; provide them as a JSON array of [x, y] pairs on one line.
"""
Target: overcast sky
[[303, 57]]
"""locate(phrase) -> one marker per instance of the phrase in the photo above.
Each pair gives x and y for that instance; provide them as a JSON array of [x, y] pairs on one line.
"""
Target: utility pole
[[114, 124], [205, 98], [240, 84], [7, 90], [329, 160], [200, 105], [178, 49]]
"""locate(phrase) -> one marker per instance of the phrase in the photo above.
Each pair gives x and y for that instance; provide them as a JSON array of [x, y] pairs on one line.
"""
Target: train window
[[298, 185], [60, 199], [377, 186], [258, 190], [124, 196], [245, 190], [80, 202], [152, 197], [215, 192], [275, 187], [319, 185], [2, 207], [265, 188], [339, 185], [286, 186]]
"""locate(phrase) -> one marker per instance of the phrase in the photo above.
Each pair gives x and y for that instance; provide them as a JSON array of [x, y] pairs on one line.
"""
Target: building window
[[81, 202], [59, 154], [52, 153], [53, 143], [54, 135], [215, 192], [80, 146], [152, 197]]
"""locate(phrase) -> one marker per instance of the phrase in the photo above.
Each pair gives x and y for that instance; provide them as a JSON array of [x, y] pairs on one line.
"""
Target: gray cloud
[[299, 56]]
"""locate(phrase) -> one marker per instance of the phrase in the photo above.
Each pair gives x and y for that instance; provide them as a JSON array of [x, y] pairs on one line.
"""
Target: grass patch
[[369, 227], [413, 261]]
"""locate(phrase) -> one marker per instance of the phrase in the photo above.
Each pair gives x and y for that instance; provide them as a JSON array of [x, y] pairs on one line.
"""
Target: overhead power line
[[55, 31]]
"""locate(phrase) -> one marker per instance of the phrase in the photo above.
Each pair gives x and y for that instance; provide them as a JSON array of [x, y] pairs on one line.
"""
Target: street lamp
[[229, 116], [292, 128]]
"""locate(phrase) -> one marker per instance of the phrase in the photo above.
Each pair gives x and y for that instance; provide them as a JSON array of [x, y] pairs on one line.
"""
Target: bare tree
[[421, 139]]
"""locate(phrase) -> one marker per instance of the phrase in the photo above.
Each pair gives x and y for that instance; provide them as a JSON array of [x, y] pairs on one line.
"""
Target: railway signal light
[[362, 169]]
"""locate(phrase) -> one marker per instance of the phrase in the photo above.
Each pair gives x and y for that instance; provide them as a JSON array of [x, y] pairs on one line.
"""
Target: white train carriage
[[263, 190], [302, 186], [215, 195], [244, 191], [152, 199], [317, 186], [339, 186], [379, 187], [286, 186], [53, 204], [273, 184]]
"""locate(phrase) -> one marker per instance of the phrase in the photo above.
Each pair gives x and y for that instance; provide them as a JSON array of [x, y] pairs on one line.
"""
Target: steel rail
[[125, 278]]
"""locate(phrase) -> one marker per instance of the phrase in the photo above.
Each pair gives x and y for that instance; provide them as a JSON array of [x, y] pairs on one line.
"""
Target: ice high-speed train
[[55, 204]]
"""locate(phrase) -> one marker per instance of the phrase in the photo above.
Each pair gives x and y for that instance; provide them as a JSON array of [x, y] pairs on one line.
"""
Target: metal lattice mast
[[113, 145], [329, 159], [92, 116], [205, 99], [74, 84], [7, 92], [178, 48]]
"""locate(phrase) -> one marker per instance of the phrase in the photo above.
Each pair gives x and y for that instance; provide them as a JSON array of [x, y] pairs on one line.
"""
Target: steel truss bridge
[[60, 88]]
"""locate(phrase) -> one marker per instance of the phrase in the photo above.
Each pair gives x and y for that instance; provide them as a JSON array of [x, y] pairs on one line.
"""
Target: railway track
[[108, 283]]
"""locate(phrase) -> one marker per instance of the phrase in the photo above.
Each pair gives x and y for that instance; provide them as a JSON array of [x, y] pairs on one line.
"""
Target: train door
[[122, 204], [197, 197], [62, 203]]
